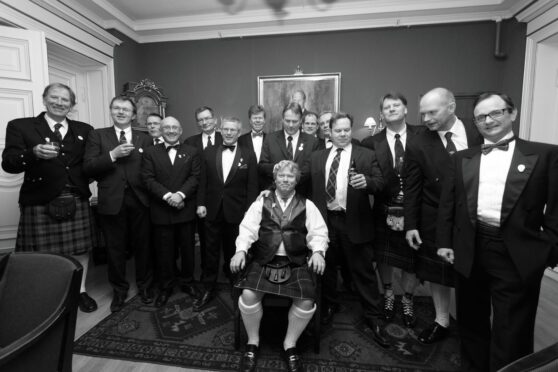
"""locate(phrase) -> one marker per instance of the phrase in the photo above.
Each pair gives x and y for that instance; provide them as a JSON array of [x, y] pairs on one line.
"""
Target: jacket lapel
[[41, 126], [382, 148], [219, 162], [234, 166], [280, 138], [299, 146], [470, 169], [521, 167]]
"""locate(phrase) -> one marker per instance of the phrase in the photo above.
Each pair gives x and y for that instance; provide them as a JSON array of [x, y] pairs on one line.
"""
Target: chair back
[[38, 310]]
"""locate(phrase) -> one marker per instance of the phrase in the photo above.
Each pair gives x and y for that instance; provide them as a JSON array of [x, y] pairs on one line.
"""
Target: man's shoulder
[[193, 139]]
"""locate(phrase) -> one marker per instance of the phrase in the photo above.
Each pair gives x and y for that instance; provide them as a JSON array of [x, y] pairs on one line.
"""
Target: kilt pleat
[[432, 268], [391, 248], [39, 232], [300, 285]]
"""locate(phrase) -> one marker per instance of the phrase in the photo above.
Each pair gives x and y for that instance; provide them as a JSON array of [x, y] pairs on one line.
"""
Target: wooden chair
[[38, 310], [275, 301]]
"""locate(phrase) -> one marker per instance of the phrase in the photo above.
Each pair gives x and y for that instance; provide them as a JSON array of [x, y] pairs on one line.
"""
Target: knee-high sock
[[251, 316], [441, 298], [298, 320], [83, 259], [386, 273]]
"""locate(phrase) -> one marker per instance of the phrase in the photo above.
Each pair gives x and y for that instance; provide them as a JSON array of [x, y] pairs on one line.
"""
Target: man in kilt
[[427, 159], [288, 229], [54, 197], [390, 247]]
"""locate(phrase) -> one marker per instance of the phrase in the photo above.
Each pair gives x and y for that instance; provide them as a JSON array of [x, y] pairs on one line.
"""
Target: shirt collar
[[295, 136], [391, 134], [51, 122], [126, 131], [458, 130], [347, 148], [507, 136]]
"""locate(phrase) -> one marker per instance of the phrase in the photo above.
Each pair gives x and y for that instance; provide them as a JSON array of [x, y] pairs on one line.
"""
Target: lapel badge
[[301, 147], [47, 139], [140, 150], [80, 138], [180, 156], [521, 168]]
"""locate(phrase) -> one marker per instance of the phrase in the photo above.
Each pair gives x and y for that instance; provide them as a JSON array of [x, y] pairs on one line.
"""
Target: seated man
[[286, 226]]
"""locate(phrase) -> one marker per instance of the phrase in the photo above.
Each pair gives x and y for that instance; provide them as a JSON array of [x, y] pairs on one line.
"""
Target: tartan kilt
[[300, 285], [391, 248], [432, 268], [39, 232]]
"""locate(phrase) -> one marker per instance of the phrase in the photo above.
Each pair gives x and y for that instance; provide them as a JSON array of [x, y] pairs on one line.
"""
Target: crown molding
[[534, 9]]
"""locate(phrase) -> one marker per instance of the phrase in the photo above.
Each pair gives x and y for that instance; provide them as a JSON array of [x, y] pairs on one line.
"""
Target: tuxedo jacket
[[234, 194], [426, 164], [529, 214], [274, 149], [161, 176], [246, 141], [379, 144], [44, 179], [114, 177], [359, 213], [196, 141]]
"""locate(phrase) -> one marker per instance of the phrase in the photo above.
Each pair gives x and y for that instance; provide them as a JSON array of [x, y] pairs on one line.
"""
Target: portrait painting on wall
[[321, 92]]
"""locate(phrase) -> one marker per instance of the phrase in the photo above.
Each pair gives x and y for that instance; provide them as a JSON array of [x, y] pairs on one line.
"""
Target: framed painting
[[322, 93], [149, 99]]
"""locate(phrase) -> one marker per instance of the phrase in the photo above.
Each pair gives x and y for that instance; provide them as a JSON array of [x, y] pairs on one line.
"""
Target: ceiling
[[166, 20]]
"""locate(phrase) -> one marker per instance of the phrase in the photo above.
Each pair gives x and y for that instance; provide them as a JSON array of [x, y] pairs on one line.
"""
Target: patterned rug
[[175, 335]]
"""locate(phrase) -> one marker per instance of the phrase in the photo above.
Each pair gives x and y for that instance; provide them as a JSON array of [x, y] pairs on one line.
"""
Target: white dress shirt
[[227, 161], [294, 141], [459, 135], [316, 239], [493, 173], [63, 129], [127, 133], [340, 202], [390, 136], [204, 139], [257, 142]]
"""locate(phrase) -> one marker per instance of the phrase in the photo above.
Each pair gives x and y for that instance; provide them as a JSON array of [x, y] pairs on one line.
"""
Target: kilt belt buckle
[[394, 217], [278, 271]]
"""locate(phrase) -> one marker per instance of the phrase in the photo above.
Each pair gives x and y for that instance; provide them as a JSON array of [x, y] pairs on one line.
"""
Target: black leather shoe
[[146, 296], [191, 290], [389, 305], [86, 303], [249, 359], [433, 333], [118, 302], [293, 359], [203, 300], [378, 335], [162, 298], [328, 312]]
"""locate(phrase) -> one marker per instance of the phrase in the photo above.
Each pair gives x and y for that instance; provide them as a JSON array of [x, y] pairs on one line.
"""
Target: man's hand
[[317, 263], [201, 211], [357, 181], [413, 239], [45, 151], [174, 200], [263, 194], [446, 254], [122, 150], [238, 261]]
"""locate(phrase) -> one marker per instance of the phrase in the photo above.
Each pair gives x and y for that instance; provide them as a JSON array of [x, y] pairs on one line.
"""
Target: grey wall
[[222, 73]]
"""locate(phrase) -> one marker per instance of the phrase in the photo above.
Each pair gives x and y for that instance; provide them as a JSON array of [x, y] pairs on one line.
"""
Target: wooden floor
[[546, 331]]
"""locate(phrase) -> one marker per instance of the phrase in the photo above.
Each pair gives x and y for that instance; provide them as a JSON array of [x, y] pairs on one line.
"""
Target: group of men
[[464, 205]]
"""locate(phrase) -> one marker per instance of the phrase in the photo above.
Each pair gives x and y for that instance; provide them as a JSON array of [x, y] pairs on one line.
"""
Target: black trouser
[[359, 259], [130, 225], [168, 239], [219, 233], [494, 285]]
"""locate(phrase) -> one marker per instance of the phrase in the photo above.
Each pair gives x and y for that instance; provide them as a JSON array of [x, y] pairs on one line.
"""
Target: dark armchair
[[38, 309]]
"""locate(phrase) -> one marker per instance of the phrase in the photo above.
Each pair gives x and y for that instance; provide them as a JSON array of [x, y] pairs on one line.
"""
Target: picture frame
[[149, 99], [275, 91]]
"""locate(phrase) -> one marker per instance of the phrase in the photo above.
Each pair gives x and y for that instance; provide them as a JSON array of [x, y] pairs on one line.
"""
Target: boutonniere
[[80, 138], [140, 150], [521, 168], [301, 147], [240, 162], [47, 139]]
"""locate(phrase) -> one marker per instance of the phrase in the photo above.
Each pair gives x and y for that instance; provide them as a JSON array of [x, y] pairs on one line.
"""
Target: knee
[[305, 305], [250, 298]]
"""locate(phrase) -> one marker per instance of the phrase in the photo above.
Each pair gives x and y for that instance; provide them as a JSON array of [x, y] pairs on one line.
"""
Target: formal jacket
[[379, 144], [44, 179], [529, 214], [322, 145], [359, 213], [114, 177], [278, 226], [425, 166], [274, 150], [196, 141], [161, 177], [246, 141], [236, 193]]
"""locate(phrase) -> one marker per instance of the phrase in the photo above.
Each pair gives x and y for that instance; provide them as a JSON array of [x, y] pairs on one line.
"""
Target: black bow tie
[[502, 145], [257, 134], [176, 147], [228, 147]]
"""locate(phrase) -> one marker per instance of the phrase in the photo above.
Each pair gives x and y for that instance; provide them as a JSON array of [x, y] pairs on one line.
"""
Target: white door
[[23, 76]]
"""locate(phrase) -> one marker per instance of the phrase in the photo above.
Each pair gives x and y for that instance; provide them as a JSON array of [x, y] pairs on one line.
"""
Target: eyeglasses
[[494, 115]]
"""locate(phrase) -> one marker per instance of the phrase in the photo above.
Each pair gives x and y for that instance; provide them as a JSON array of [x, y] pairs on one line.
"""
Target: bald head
[[437, 109], [171, 129]]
